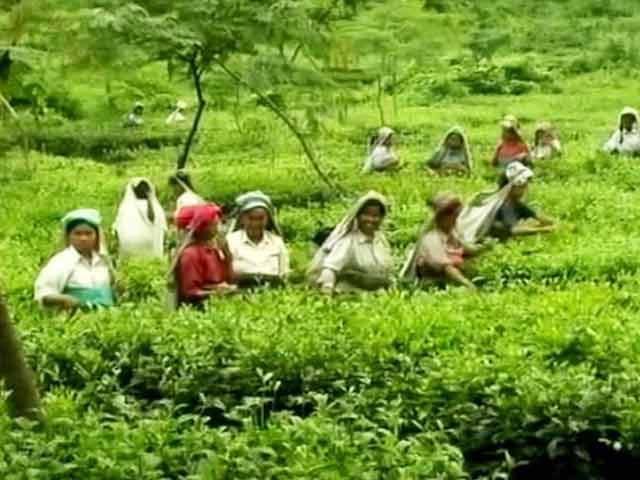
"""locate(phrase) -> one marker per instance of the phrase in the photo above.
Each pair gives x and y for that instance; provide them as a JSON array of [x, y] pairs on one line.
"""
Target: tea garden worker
[[453, 155], [626, 139], [381, 155], [79, 276], [438, 255], [502, 213], [134, 118], [356, 256], [511, 147], [255, 242], [202, 266], [546, 144], [140, 224], [177, 116]]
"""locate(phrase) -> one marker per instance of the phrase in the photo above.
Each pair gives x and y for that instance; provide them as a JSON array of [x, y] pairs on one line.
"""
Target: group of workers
[[135, 118], [218, 252]]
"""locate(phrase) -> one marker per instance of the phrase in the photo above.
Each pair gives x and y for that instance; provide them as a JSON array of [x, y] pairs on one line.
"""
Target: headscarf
[[443, 203], [384, 133], [256, 199], [511, 122], [87, 216], [347, 225], [74, 218], [628, 111], [129, 204], [443, 148], [476, 218], [542, 128], [198, 218]]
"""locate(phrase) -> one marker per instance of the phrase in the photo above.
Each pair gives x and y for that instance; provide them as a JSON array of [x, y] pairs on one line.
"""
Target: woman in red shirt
[[512, 148], [203, 264]]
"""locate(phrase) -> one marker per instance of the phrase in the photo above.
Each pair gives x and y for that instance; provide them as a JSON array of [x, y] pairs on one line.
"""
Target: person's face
[[142, 190], [627, 121], [454, 141], [255, 222], [509, 135], [389, 141], [546, 138], [138, 110], [370, 219], [84, 239], [447, 222], [209, 233]]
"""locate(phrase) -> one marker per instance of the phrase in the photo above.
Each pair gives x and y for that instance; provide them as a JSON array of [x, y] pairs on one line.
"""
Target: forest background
[[535, 375]]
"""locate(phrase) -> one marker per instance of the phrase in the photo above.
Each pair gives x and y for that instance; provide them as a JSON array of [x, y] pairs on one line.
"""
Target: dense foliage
[[535, 375]]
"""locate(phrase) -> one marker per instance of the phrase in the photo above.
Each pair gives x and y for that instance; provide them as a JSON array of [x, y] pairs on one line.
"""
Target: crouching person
[[202, 266], [439, 256], [260, 256], [356, 256]]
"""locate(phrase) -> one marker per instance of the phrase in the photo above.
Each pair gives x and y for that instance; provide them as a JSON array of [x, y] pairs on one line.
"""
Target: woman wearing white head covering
[[381, 156], [177, 115], [141, 223], [356, 256], [502, 213], [626, 139], [79, 276], [453, 155], [255, 242]]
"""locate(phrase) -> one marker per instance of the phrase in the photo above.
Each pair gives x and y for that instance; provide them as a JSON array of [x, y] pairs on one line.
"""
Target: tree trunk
[[14, 370], [196, 75], [289, 123], [379, 101]]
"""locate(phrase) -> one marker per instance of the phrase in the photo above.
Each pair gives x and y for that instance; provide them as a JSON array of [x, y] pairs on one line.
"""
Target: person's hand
[[70, 303]]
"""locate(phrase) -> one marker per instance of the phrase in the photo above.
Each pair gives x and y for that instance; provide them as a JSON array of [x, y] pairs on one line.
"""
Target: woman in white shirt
[[80, 275], [381, 155], [255, 242], [626, 139], [141, 223], [356, 256]]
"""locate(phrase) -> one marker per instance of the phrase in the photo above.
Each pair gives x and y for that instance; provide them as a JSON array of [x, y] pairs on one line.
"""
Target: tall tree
[[207, 34]]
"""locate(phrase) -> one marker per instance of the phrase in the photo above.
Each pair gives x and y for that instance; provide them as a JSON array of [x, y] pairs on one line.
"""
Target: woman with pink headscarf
[[202, 266]]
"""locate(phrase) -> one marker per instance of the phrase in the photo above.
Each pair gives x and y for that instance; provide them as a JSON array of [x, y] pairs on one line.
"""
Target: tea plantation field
[[538, 373]]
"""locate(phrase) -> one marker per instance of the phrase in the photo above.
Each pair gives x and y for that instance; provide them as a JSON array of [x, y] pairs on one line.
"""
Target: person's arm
[[49, 285], [454, 274], [543, 224], [61, 301], [285, 260], [334, 263], [613, 144], [496, 154]]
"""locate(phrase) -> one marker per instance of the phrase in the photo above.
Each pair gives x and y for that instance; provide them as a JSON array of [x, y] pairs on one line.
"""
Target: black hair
[[372, 202], [321, 235], [181, 177], [503, 180], [79, 221]]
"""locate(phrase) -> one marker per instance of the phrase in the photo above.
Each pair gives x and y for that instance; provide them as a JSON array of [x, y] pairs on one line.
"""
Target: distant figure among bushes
[[140, 224], [381, 153], [626, 139], [439, 255], [202, 266], [546, 144], [177, 116], [255, 242], [134, 118], [356, 256], [80, 276], [453, 155], [511, 147]]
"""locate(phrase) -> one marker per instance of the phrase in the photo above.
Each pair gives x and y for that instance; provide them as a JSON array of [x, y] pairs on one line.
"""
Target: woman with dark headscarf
[[256, 245], [438, 254], [356, 256], [202, 266], [80, 275]]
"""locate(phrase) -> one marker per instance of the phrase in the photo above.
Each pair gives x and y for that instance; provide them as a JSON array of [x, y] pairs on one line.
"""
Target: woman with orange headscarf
[[202, 267]]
